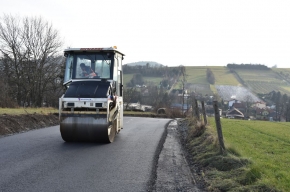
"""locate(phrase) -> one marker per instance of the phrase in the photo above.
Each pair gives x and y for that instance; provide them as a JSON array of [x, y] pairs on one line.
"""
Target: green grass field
[[266, 144], [224, 77], [196, 75]]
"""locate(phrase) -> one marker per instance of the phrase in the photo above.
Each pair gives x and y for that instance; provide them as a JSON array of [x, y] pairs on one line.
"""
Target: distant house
[[265, 114], [231, 102], [259, 105], [240, 106], [235, 114]]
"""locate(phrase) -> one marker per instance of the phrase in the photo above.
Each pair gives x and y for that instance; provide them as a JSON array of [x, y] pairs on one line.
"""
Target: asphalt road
[[40, 160]]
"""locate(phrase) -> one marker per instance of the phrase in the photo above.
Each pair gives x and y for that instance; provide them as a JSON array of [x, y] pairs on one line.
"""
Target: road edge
[[153, 176]]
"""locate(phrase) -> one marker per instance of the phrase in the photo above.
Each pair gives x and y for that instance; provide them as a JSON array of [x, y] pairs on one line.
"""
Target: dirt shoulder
[[173, 170], [11, 124]]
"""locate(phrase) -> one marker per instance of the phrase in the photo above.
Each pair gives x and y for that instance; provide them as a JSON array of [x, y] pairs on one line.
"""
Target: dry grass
[[28, 110]]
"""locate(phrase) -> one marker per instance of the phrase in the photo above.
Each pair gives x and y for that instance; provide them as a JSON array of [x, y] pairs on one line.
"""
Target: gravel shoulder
[[173, 171]]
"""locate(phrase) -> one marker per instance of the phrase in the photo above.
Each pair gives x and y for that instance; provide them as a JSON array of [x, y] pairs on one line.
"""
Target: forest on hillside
[[248, 66], [149, 71]]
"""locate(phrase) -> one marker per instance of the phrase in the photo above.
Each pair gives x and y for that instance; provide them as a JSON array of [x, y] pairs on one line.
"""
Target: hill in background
[[144, 63], [230, 78]]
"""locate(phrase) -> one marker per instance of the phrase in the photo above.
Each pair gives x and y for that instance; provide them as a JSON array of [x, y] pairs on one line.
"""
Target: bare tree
[[131, 95], [30, 57], [210, 76], [11, 47]]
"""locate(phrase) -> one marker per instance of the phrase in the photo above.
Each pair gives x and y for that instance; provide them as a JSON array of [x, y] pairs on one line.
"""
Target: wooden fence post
[[192, 106], [196, 109], [219, 127], [204, 113]]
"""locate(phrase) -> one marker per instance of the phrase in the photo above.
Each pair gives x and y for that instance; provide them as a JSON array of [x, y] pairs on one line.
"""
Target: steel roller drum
[[87, 129]]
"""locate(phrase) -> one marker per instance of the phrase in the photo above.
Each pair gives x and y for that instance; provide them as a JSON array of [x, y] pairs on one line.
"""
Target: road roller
[[91, 108]]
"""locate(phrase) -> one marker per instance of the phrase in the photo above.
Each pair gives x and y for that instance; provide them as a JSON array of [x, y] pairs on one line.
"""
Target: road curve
[[40, 160]]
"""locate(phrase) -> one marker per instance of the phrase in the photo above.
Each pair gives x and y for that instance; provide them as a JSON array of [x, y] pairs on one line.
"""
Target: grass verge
[[233, 170]]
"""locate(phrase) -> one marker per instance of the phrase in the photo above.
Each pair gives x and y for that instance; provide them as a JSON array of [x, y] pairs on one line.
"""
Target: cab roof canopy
[[98, 49]]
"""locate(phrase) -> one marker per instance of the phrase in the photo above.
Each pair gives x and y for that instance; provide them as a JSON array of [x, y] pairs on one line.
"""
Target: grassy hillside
[[224, 77], [266, 144], [197, 81], [264, 81], [257, 81], [197, 75], [258, 75]]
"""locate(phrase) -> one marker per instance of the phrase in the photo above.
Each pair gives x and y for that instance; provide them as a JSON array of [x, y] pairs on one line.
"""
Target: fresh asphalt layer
[[40, 160]]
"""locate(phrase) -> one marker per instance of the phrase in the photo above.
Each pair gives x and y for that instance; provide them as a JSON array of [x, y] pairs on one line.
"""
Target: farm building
[[235, 114], [231, 102], [240, 106], [265, 114]]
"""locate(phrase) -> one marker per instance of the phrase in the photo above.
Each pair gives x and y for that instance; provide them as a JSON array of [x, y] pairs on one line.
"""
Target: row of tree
[[248, 66], [282, 105], [137, 79], [31, 67], [149, 71]]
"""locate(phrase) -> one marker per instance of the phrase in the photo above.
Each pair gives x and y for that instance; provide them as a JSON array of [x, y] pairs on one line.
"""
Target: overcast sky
[[180, 32]]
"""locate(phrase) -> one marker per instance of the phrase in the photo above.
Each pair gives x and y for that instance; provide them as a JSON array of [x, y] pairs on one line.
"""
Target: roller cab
[[91, 109]]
